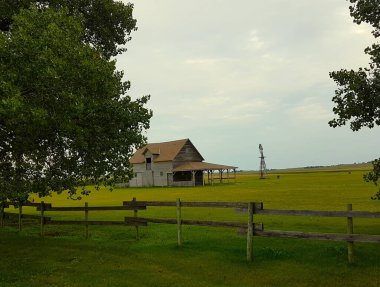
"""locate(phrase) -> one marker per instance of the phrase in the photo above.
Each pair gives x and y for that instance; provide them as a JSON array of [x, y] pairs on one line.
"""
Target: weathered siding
[[157, 176], [161, 170], [187, 153], [137, 181], [139, 167]]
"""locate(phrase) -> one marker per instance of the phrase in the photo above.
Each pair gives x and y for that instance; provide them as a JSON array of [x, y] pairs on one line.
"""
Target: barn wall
[[139, 167], [187, 153], [161, 170], [137, 180], [157, 176]]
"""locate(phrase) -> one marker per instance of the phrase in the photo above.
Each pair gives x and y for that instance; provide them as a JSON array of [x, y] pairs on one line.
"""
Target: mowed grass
[[209, 256]]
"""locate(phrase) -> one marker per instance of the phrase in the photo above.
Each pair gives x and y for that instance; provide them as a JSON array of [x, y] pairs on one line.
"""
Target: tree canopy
[[65, 118], [107, 23], [358, 97]]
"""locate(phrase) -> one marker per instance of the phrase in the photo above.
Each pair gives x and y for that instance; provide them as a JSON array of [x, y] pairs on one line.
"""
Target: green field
[[209, 256]]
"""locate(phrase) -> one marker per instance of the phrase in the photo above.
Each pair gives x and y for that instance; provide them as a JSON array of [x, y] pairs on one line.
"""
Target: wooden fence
[[250, 228]]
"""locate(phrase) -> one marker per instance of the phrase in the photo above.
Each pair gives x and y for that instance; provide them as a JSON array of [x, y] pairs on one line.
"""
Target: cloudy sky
[[231, 75]]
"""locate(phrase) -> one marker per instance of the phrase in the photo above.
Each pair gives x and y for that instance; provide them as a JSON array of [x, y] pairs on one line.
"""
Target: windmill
[[263, 167]]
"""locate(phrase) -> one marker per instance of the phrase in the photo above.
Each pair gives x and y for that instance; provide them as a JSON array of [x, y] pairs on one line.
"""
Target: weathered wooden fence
[[349, 237], [250, 228], [250, 225], [20, 216]]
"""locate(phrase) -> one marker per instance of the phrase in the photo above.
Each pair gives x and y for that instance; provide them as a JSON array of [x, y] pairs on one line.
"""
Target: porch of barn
[[203, 173]]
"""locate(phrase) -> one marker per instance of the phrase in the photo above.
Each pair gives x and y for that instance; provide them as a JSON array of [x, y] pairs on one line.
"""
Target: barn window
[[161, 173], [148, 163]]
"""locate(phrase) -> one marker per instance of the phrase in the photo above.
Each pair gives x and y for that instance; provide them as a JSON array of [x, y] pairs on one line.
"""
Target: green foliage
[[358, 97], [65, 120], [107, 23], [374, 176], [366, 11]]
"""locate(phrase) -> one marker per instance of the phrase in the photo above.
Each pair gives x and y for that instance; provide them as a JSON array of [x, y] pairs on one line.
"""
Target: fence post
[[250, 231], [350, 230], [86, 218], [179, 222], [20, 217], [135, 210], [42, 218]]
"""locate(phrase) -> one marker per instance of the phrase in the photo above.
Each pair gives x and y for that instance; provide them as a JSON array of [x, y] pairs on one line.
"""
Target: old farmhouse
[[176, 163]]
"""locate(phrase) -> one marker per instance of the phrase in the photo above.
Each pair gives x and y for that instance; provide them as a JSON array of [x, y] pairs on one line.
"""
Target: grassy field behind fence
[[209, 256]]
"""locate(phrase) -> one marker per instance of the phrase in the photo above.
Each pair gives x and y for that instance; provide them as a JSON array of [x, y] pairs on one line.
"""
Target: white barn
[[175, 163]]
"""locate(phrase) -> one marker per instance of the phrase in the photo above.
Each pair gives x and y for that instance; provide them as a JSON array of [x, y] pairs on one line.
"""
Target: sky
[[230, 75]]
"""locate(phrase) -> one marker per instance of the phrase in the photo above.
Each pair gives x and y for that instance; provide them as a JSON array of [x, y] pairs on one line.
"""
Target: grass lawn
[[210, 256]]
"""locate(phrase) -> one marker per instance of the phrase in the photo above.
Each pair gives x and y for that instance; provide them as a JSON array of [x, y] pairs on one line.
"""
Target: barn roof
[[192, 166], [165, 151]]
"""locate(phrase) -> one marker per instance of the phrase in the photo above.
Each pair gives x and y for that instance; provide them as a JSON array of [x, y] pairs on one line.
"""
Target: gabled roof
[[165, 151]]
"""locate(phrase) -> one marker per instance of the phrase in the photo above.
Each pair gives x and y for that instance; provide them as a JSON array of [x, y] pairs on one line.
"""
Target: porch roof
[[190, 166]]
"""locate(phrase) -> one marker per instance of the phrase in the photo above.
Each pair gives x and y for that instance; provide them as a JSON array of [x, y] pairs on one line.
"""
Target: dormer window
[[148, 162]]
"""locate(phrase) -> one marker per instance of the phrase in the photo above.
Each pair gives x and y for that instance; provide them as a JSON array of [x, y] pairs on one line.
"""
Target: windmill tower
[[263, 167]]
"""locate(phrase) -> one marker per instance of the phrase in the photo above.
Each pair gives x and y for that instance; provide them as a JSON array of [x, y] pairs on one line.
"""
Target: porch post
[[193, 177], [173, 178]]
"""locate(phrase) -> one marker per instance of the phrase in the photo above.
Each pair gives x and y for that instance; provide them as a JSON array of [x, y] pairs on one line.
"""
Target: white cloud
[[217, 109], [209, 61], [311, 110], [362, 29], [254, 41], [253, 69]]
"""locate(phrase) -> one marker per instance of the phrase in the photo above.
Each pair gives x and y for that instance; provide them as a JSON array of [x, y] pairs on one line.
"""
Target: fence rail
[[133, 220], [353, 214], [91, 222], [90, 208], [258, 205], [250, 228], [8, 215]]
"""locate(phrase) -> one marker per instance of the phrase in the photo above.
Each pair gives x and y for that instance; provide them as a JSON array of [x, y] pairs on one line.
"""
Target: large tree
[[107, 23], [358, 97], [65, 118]]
